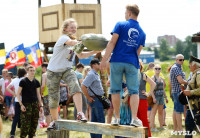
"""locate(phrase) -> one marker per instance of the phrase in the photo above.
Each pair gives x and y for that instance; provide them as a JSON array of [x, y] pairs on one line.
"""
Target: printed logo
[[13, 57], [133, 35]]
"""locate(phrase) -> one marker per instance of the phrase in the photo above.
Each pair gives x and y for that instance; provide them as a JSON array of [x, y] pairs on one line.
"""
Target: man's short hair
[[45, 64], [26, 64], [5, 70], [94, 61], [179, 55], [79, 65], [10, 74], [21, 72], [30, 67], [133, 8]]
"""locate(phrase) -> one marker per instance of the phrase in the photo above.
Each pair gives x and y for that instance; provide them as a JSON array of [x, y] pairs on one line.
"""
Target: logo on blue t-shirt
[[133, 36]]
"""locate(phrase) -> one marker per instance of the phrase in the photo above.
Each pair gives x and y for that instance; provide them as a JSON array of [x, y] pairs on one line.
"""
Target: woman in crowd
[[159, 93], [143, 105], [21, 73]]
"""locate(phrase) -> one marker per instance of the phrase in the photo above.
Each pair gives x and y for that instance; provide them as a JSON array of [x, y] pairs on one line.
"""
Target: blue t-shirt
[[131, 37]]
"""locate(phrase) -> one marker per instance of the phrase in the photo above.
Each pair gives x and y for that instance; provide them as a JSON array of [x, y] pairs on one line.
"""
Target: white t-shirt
[[62, 57], [15, 83], [2, 84]]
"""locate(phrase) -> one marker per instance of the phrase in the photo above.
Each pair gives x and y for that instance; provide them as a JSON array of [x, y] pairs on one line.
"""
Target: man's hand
[[166, 100], [23, 108], [41, 109], [154, 100], [90, 99], [187, 93]]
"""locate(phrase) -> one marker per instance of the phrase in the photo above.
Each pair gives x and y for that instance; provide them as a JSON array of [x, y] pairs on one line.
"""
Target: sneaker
[[162, 128], [12, 136], [115, 122], [81, 117], [136, 122], [154, 130], [51, 126]]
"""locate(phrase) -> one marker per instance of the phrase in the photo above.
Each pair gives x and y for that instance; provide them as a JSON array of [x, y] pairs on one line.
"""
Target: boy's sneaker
[[115, 122], [136, 122], [81, 117], [52, 125]]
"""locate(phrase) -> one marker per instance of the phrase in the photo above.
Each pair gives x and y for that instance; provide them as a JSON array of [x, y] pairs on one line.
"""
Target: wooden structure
[[64, 126], [88, 17], [196, 39]]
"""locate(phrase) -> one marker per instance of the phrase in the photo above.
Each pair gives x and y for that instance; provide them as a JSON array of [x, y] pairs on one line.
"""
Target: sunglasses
[[181, 59], [157, 68]]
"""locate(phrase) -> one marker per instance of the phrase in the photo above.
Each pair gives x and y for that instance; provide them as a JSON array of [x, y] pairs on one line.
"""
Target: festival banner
[[2, 54], [34, 54], [15, 57]]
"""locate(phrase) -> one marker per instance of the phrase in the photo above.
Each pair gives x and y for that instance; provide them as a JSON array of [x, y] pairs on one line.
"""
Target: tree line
[[186, 47]]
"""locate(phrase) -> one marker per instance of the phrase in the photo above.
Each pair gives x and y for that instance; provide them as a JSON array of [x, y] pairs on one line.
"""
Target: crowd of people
[[33, 100]]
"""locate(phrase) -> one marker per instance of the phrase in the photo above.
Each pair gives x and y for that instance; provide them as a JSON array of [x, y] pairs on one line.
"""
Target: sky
[[19, 18]]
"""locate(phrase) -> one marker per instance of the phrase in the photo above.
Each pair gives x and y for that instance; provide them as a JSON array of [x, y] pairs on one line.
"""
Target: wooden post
[[196, 39], [58, 134], [98, 128], [39, 3]]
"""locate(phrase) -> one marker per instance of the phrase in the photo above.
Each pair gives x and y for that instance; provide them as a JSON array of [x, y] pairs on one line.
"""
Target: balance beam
[[64, 126]]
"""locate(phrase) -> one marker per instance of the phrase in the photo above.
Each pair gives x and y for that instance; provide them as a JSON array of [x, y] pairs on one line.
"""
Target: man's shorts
[[160, 100], [46, 105], [53, 85], [178, 107], [117, 70], [8, 100]]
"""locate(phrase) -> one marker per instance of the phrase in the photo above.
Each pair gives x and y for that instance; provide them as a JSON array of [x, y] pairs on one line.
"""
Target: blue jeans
[[117, 69], [189, 123], [8, 100], [16, 119], [178, 107], [97, 114]]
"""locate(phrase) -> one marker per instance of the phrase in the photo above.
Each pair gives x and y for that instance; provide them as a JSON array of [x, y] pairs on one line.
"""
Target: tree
[[190, 48], [179, 47], [164, 49], [156, 53]]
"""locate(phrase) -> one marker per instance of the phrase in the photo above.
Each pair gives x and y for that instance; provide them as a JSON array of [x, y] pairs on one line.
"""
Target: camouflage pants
[[29, 119], [53, 85]]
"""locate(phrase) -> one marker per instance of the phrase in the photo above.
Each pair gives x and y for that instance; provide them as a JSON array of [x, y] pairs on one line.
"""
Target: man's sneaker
[[136, 122], [115, 122], [81, 117], [12, 136], [154, 130], [52, 125]]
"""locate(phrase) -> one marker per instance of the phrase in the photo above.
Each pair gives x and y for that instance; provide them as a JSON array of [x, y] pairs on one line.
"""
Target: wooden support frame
[[50, 28], [99, 128]]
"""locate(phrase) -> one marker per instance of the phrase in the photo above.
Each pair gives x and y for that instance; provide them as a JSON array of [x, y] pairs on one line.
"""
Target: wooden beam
[[74, 1], [98, 1], [62, 1], [102, 128], [39, 3]]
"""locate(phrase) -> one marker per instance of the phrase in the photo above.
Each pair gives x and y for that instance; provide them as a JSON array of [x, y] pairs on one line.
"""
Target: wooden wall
[[51, 18]]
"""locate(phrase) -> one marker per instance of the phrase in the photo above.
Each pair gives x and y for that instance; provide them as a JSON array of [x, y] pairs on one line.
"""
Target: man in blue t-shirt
[[126, 43]]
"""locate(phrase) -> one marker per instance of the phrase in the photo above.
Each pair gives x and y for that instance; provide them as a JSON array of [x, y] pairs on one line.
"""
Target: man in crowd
[[92, 84], [31, 100], [2, 87], [177, 77], [126, 43], [193, 92], [79, 75]]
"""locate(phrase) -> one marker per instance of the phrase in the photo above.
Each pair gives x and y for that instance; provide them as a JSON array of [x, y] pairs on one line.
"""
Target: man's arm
[[19, 100], [139, 50], [109, 49], [8, 88], [39, 99], [85, 91], [181, 80]]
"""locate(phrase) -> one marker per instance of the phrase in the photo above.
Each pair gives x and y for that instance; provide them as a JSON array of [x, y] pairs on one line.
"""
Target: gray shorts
[[160, 100], [53, 85]]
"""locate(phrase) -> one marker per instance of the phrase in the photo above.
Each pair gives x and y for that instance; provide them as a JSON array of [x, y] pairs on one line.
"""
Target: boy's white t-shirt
[[62, 57], [15, 83]]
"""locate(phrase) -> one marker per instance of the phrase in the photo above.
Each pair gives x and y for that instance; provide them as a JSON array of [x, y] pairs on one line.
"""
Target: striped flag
[[34, 54], [2, 54], [15, 57]]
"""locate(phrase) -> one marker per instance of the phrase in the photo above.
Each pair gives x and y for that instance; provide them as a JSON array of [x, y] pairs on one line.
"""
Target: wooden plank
[[102, 128]]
